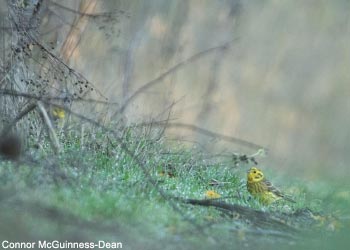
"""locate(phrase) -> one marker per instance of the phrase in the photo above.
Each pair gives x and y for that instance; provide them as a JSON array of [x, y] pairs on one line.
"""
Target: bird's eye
[[254, 172]]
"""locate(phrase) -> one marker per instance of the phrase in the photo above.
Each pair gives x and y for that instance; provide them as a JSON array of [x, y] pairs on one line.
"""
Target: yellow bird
[[58, 113], [263, 190]]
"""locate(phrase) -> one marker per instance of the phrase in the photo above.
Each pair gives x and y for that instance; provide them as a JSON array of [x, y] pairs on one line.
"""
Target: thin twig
[[52, 98], [103, 14], [170, 71], [208, 133]]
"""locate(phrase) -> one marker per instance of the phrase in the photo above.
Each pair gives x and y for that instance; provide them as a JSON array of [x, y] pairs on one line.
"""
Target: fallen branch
[[257, 217]]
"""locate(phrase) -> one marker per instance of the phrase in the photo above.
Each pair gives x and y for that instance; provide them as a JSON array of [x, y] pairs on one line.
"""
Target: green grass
[[98, 191]]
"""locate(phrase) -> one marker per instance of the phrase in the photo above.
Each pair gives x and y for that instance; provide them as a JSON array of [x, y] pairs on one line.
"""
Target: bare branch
[[170, 71], [207, 133], [28, 109], [52, 135]]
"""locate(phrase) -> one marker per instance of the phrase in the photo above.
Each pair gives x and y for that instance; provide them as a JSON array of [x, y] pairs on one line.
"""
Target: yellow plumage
[[263, 190], [58, 113]]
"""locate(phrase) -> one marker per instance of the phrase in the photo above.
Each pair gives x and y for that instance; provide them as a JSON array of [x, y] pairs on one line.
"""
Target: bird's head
[[255, 175]]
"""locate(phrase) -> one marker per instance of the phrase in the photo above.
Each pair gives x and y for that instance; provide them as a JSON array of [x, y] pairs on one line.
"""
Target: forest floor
[[160, 197]]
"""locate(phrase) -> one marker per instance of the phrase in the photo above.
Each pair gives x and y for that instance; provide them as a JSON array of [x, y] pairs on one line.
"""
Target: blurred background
[[282, 82]]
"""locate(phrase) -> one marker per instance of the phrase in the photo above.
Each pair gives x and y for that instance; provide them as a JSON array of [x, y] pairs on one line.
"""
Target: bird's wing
[[271, 188]]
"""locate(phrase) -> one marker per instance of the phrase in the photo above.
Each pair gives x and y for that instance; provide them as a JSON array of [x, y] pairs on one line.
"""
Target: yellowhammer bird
[[58, 113], [262, 189]]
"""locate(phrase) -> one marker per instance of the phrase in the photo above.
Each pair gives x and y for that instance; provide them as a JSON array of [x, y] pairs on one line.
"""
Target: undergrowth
[[96, 190]]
